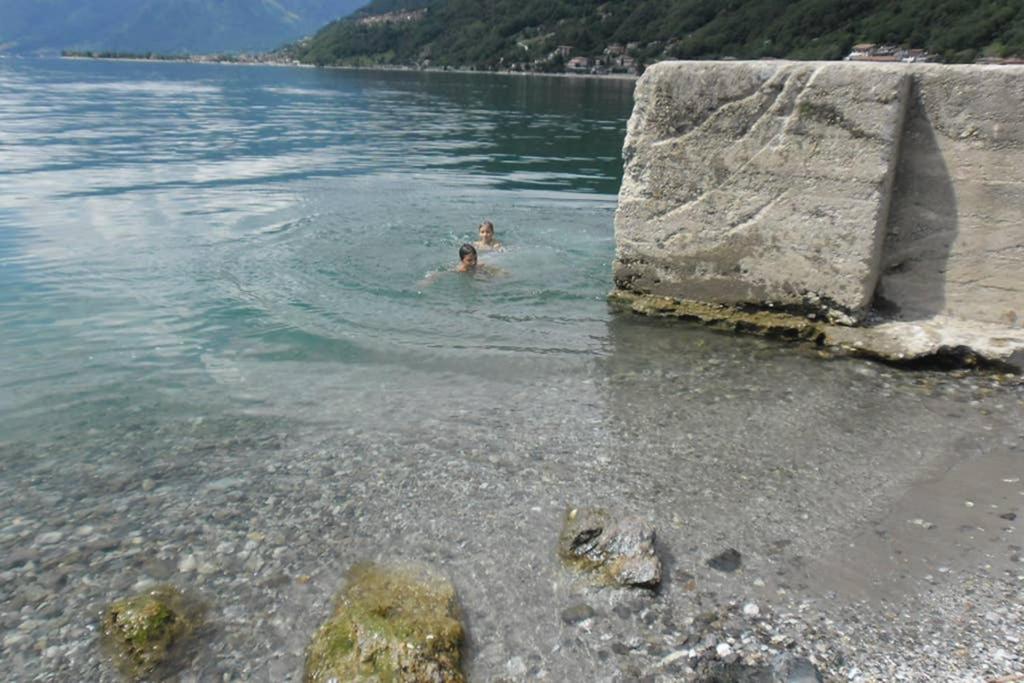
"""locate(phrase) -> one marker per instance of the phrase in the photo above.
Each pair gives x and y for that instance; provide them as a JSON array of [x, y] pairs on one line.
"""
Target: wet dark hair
[[486, 223], [465, 250]]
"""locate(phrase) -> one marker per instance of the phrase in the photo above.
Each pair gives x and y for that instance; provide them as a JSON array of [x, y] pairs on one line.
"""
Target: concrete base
[[942, 341]]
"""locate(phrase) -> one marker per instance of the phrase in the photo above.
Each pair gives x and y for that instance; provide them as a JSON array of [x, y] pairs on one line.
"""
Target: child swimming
[[467, 259], [487, 241], [468, 263]]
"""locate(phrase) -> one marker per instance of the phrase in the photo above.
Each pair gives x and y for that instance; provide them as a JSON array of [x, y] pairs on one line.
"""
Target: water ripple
[[159, 223]]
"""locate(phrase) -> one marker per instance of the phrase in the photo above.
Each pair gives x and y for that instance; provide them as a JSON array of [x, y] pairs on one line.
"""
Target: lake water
[[220, 367]]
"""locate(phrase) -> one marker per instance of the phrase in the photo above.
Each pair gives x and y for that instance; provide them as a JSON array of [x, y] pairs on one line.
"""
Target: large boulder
[[390, 623], [615, 551]]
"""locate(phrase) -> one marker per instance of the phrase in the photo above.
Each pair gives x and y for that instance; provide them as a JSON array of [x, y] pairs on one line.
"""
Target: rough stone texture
[[761, 182], [883, 195], [391, 623], [620, 552], [955, 246], [141, 631]]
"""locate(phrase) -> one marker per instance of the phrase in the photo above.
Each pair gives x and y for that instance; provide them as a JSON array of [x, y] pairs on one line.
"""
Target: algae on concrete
[[390, 624], [141, 631], [942, 344]]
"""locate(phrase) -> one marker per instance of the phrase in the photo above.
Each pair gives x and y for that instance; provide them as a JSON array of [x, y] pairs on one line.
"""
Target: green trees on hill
[[499, 33]]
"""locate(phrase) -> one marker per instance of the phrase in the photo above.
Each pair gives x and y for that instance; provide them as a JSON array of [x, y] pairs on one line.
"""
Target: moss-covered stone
[[390, 624], [141, 631]]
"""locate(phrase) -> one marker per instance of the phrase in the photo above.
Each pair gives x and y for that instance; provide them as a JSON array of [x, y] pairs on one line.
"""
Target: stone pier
[[875, 207]]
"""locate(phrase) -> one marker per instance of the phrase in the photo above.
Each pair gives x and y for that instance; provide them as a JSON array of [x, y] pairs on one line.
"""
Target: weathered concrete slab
[[780, 195], [955, 246], [760, 182]]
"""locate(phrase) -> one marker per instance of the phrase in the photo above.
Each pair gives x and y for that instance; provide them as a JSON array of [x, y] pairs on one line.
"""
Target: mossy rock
[[390, 624], [141, 631]]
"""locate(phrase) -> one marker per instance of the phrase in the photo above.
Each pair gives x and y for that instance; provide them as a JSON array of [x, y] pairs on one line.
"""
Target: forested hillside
[[165, 26], [526, 33]]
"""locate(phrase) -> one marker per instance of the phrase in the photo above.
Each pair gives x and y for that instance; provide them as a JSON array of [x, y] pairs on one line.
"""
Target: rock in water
[[791, 669], [390, 624], [729, 560], [577, 613], [141, 631], [620, 551]]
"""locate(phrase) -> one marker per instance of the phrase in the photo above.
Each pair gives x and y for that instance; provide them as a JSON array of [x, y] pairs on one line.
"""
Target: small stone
[[574, 614], [49, 538], [1009, 516], [623, 611], [148, 485], [673, 657], [188, 564], [620, 551], [516, 668], [751, 610], [13, 639], [728, 560], [723, 650], [792, 669], [18, 557]]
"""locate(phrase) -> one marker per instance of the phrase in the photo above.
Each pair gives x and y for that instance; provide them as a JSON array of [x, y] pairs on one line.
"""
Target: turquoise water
[[219, 367], [169, 230]]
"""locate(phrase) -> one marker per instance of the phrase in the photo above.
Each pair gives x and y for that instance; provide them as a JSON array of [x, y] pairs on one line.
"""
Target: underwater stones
[[618, 551], [784, 668], [141, 631], [390, 623], [791, 669]]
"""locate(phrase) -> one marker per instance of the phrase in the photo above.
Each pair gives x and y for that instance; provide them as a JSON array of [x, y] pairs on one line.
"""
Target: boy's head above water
[[467, 258]]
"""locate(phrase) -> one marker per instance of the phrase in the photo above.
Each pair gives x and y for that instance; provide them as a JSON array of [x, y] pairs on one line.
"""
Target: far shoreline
[[342, 67], [379, 68]]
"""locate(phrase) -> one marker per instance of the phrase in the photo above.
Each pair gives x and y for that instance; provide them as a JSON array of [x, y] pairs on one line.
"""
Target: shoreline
[[403, 69]]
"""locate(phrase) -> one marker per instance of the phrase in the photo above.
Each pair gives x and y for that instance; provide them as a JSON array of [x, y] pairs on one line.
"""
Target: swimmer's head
[[486, 232], [467, 257]]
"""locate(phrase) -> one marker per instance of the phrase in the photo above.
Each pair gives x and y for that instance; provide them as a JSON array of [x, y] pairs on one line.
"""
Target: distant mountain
[[162, 26], [527, 33]]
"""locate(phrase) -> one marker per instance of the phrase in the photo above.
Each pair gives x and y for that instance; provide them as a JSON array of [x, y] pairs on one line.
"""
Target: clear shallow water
[[218, 367], [183, 226]]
